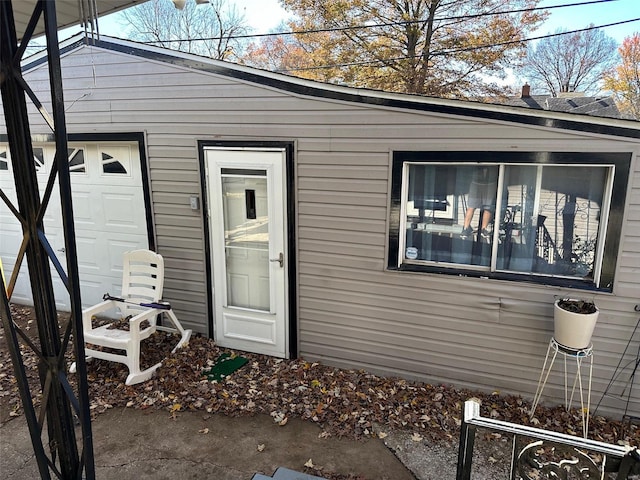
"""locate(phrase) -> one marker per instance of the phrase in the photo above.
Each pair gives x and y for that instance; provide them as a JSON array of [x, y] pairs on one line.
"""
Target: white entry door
[[248, 225]]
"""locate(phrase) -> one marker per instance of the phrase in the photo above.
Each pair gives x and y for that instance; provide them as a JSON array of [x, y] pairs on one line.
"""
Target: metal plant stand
[[579, 355]]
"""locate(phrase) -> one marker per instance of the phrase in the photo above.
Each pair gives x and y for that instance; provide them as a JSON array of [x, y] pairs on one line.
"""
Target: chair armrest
[[88, 313], [135, 322], [144, 316]]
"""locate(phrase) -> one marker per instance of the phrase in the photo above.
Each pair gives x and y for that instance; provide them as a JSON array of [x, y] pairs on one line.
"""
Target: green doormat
[[224, 366]]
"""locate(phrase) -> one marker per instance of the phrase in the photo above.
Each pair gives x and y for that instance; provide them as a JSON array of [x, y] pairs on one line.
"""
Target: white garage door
[[109, 212]]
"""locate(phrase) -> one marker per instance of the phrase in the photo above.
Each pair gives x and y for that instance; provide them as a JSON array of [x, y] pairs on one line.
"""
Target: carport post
[[57, 393]]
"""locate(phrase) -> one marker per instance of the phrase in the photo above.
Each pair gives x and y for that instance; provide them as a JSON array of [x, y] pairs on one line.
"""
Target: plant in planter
[[574, 322]]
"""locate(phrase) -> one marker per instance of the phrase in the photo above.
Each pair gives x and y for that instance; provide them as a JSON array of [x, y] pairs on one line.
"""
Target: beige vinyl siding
[[474, 332], [352, 312]]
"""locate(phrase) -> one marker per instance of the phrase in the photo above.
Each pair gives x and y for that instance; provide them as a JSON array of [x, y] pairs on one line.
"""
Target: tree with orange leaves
[[443, 48], [624, 79]]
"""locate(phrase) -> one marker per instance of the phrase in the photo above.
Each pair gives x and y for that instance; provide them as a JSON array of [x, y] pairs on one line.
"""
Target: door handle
[[280, 259], [62, 250]]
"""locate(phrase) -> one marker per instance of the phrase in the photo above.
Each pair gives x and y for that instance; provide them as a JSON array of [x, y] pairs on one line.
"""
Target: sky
[[265, 15], [572, 18]]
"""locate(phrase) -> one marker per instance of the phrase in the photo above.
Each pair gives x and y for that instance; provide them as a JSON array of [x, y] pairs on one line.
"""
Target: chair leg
[[184, 334], [72, 367], [138, 376], [133, 354], [132, 357], [133, 363]]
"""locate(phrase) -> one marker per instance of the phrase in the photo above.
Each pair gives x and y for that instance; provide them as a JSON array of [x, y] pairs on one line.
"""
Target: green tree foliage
[[569, 63], [206, 29], [426, 47], [624, 79]]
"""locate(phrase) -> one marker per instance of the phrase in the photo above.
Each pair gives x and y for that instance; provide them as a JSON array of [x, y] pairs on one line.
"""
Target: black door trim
[[291, 239]]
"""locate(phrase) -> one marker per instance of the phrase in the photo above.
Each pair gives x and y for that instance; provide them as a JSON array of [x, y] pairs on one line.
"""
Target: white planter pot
[[571, 329]]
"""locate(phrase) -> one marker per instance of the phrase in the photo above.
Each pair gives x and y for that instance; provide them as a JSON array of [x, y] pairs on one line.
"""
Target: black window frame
[[621, 161]]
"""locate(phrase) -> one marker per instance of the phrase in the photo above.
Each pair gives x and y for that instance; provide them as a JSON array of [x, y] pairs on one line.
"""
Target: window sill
[[508, 276]]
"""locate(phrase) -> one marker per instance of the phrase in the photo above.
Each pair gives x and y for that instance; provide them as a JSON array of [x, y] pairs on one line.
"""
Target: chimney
[[526, 91]]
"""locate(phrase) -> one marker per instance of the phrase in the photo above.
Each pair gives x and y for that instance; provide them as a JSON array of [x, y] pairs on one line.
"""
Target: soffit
[[68, 12]]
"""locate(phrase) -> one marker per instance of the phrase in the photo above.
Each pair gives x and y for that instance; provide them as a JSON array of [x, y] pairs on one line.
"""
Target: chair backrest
[[142, 278]]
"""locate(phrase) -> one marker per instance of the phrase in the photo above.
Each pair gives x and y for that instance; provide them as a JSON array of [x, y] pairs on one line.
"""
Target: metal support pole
[[465, 448], [64, 180], [57, 394], [23, 385]]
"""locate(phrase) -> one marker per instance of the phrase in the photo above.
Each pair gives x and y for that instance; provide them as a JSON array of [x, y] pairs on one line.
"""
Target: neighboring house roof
[[594, 106], [299, 86]]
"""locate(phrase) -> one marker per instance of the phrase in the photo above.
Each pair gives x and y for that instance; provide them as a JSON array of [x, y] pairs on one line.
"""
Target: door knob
[[280, 259], [62, 250]]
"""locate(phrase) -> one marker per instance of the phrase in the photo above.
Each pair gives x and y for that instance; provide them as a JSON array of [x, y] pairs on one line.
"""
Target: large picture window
[[548, 217]]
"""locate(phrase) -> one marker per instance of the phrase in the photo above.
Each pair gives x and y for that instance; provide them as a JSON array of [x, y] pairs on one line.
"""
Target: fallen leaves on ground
[[344, 403]]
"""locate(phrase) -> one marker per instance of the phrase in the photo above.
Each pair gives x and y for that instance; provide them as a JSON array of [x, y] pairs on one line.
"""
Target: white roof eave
[[253, 75], [68, 12], [378, 94]]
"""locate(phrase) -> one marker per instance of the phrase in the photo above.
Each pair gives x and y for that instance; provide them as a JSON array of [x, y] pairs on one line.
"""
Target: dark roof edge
[[373, 97]]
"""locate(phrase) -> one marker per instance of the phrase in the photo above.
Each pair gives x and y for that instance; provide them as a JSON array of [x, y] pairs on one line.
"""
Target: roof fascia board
[[501, 113], [66, 46]]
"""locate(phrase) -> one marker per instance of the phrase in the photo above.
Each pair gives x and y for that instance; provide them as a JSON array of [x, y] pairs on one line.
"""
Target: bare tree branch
[[570, 63], [207, 29]]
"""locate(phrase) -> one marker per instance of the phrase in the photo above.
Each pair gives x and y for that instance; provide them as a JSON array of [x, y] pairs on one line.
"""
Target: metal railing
[[540, 454]]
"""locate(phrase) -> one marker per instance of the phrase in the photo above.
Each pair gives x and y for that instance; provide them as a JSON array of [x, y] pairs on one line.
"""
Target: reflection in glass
[[548, 223], [551, 229], [112, 165], [38, 158], [76, 160], [246, 241], [569, 220], [518, 222], [450, 210]]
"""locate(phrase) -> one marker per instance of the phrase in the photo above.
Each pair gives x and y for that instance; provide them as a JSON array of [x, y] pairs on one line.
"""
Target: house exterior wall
[[352, 311]]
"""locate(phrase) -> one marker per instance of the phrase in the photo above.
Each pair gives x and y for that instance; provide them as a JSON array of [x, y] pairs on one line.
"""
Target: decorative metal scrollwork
[[545, 460]]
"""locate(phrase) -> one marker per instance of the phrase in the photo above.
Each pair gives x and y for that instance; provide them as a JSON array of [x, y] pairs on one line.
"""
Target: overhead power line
[[379, 25], [404, 22], [461, 49]]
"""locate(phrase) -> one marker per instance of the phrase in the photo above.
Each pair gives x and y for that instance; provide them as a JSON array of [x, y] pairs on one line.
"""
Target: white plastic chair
[[142, 283]]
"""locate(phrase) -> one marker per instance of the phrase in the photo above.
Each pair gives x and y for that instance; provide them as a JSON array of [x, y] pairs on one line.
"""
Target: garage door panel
[[53, 214], [93, 288], [8, 264], [117, 246], [62, 296], [55, 237], [91, 254], [117, 210], [96, 252], [22, 287], [8, 223], [10, 239], [87, 213], [52, 218], [9, 190], [109, 214]]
